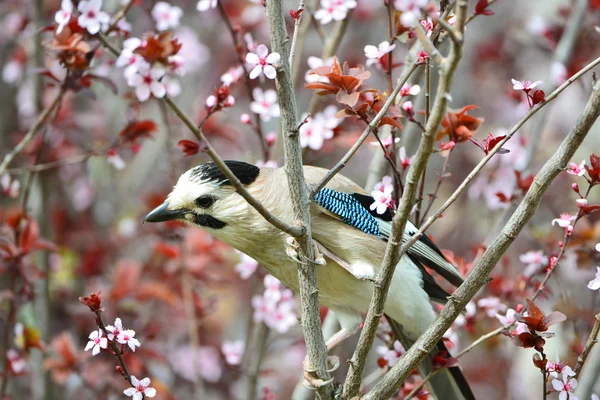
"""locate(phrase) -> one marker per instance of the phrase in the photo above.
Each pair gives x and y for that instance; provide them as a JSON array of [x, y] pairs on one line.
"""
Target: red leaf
[[188, 147], [390, 121], [523, 183], [127, 277], [157, 291], [137, 129], [538, 96], [93, 301]]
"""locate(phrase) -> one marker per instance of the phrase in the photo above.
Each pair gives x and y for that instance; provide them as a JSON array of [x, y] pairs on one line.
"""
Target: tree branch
[[480, 274], [592, 340], [309, 294], [392, 255]]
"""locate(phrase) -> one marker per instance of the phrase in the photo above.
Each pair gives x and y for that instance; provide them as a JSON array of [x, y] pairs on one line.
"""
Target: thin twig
[[295, 36], [370, 128], [447, 68], [481, 272], [32, 131], [259, 346], [592, 340]]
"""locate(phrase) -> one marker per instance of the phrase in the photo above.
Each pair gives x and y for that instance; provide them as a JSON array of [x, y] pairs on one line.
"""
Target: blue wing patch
[[350, 210]]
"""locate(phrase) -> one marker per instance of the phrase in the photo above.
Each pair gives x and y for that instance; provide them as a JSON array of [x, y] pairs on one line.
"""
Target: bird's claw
[[310, 382]]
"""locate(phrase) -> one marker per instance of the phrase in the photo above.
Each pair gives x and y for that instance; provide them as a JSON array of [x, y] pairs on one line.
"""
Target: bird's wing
[[344, 200]]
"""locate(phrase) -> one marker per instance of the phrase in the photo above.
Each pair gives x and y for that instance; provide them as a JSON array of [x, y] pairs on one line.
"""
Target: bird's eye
[[205, 201]]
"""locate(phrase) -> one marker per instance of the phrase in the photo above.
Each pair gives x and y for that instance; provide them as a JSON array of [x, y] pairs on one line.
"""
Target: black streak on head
[[209, 171], [208, 221], [366, 202]]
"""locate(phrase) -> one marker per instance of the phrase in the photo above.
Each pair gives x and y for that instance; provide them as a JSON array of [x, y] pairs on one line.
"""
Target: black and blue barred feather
[[350, 210]]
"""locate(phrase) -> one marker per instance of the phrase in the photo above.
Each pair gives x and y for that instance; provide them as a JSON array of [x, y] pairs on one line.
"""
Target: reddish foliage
[[158, 47], [137, 129], [537, 321], [481, 8], [71, 50], [93, 301], [489, 143], [524, 183], [188, 147], [593, 169], [66, 363], [459, 126]]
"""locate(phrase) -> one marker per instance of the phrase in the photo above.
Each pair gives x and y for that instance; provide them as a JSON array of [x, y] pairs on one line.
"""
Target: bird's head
[[203, 196]]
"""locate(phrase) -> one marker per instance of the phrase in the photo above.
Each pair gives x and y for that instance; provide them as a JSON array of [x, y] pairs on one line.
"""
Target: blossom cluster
[[276, 306]]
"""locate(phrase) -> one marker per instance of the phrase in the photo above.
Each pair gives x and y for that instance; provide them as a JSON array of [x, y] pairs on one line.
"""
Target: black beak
[[162, 214]]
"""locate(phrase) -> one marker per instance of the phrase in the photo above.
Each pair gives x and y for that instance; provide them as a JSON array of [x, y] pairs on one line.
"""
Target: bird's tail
[[447, 384]]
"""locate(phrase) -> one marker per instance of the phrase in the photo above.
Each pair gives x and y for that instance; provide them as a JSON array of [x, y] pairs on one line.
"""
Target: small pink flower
[[9, 187], [411, 11], [525, 86], [128, 58], [427, 24], [245, 118], [595, 283], [205, 5], [408, 107], [422, 56], [557, 367], [508, 319], [375, 53], [382, 202], [115, 330], [63, 16], [386, 185], [127, 337], [333, 10], [271, 138], [91, 18], [232, 75], [17, 363], [265, 104], [262, 62], [140, 389], [565, 387], [166, 15], [233, 351], [533, 261], [387, 142], [577, 170], [564, 221], [246, 266], [391, 355], [147, 82], [404, 160], [410, 90], [96, 342], [211, 101], [318, 128], [492, 305]]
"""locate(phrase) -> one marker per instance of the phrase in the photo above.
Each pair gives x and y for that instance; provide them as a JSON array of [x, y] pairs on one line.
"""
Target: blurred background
[[201, 310]]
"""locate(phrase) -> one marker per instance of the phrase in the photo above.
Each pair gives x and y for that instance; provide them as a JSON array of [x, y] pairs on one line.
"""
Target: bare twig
[[119, 16], [295, 36], [447, 68], [480, 274], [592, 340], [32, 131], [428, 45], [259, 346], [309, 294], [370, 128]]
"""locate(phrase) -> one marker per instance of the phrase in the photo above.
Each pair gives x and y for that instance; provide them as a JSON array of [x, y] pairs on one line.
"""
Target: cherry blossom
[[9, 187], [266, 164], [422, 56], [115, 330], [283, 317], [491, 305], [391, 355], [91, 17], [140, 389], [147, 82], [177, 64], [96, 342], [595, 283], [18, 364], [233, 351], [127, 337], [271, 138], [582, 203], [166, 15], [265, 104], [275, 307], [511, 319], [63, 16], [533, 261], [375, 53], [427, 25], [333, 10], [386, 185], [411, 11], [408, 107], [525, 86], [204, 5], [577, 170], [471, 311], [262, 62], [313, 63], [382, 194], [128, 58], [565, 387], [410, 90], [232, 75], [246, 266], [557, 367], [172, 86], [564, 221], [318, 128]]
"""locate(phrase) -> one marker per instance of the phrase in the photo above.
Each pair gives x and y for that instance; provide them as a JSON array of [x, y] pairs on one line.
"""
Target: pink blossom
[[383, 201], [91, 17], [246, 266], [177, 64], [582, 203], [386, 185], [128, 58], [471, 311], [9, 187], [411, 11], [271, 138], [565, 387], [166, 15], [492, 305], [205, 363], [533, 261], [205, 5], [172, 86], [391, 355], [127, 337], [313, 63], [422, 56], [525, 86], [265, 104], [557, 367], [408, 107], [245, 118], [410, 90], [283, 317], [96, 342], [595, 283], [232, 75], [140, 389], [262, 62], [318, 128], [427, 25], [404, 160], [577, 170], [115, 330], [375, 53], [63, 16], [17, 363], [147, 82], [564, 220], [333, 10], [508, 319], [233, 351]]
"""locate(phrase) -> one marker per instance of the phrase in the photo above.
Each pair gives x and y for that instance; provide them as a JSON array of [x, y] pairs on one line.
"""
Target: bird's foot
[[313, 383]]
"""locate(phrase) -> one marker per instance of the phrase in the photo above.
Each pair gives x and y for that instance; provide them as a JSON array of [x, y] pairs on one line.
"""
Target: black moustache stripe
[[208, 221]]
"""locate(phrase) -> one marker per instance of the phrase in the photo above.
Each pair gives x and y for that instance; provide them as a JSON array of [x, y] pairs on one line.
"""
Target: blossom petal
[[255, 72], [269, 71], [273, 58]]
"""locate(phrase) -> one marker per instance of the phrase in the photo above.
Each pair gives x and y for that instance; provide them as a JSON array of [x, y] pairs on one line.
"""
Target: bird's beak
[[162, 214]]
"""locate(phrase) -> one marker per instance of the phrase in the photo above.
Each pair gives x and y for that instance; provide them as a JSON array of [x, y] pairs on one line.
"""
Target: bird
[[350, 239]]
